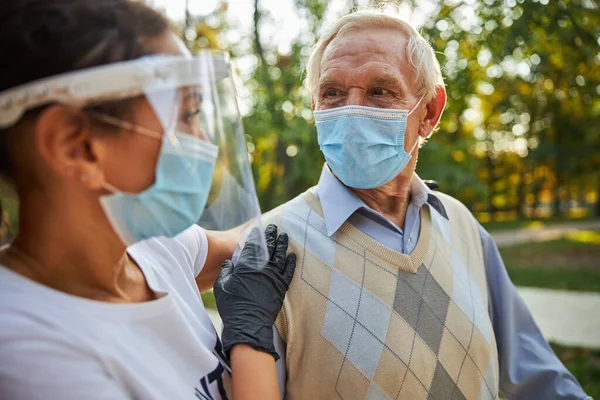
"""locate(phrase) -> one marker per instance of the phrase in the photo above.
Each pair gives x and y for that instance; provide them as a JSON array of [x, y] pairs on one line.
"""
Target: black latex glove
[[250, 294]]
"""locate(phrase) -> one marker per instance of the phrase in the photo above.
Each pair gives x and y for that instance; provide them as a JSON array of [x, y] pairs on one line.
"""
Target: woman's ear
[[64, 141], [435, 108]]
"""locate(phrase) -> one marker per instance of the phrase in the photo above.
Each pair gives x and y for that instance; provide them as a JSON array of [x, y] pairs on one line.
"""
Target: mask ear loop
[[415, 107], [410, 112], [110, 188], [414, 147], [124, 125], [85, 178]]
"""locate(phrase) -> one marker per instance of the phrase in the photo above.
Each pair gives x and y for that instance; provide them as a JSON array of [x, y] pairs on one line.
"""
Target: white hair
[[419, 52]]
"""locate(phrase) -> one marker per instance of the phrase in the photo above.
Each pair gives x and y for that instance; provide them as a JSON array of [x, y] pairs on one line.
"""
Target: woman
[[102, 136]]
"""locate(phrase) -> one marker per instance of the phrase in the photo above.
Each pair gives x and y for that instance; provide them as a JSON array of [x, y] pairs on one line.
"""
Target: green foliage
[[286, 155], [555, 278], [9, 206], [529, 224], [531, 72], [568, 263], [208, 298], [519, 137], [519, 134]]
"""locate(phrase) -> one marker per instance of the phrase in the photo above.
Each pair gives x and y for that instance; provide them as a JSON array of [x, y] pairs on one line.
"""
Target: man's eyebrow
[[327, 82], [390, 81]]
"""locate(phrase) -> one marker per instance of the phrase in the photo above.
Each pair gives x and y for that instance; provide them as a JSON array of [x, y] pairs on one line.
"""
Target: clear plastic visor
[[196, 104]]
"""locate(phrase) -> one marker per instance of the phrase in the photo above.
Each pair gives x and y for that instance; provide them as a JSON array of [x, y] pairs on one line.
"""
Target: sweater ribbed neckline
[[408, 262]]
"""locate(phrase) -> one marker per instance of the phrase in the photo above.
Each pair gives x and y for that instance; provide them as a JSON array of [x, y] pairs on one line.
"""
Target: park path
[[564, 317]]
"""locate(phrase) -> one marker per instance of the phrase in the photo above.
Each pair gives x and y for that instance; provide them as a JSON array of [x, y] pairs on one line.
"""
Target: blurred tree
[[520, 130], [523, 78], [286, 155]]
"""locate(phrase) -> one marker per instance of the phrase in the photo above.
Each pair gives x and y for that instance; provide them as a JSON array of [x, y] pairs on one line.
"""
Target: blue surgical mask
[[177, 198], [364, 146]]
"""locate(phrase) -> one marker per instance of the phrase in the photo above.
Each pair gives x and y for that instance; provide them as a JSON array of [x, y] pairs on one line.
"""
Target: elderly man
[[399, 293]]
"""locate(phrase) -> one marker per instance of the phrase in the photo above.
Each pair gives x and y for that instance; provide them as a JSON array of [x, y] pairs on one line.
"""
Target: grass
[[495, 226], [587, 281], [208, 298], [568, 263], [584, 364]]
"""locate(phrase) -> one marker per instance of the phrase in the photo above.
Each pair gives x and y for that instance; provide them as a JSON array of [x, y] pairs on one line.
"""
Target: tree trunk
[[560, 185], [598, 198], [521, 194], [490, 185], [187, 23]]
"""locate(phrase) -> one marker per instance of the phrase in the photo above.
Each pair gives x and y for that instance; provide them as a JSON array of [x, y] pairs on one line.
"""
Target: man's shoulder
[[299, 205], [449, 205], [456, 214]]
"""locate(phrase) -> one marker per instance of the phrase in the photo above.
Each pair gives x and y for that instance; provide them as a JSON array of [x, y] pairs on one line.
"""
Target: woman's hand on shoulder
[[250, 293]]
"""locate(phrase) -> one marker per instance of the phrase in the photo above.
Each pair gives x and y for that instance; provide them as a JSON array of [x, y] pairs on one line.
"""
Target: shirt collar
[[339, 203]]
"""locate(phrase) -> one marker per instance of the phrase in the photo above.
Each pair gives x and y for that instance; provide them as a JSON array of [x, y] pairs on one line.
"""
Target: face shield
[[203, 174]]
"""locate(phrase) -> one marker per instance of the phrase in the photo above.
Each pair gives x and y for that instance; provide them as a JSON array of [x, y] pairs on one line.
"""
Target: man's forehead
[[368, 54], [369, 42]]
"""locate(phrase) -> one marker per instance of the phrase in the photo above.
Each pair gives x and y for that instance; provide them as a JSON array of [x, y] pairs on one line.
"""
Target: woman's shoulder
[[29, 313], [39, 360], [188, 251], [28, 307]]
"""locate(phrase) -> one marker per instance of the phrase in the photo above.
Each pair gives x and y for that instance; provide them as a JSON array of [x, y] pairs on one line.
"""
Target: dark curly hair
[[42, 38]]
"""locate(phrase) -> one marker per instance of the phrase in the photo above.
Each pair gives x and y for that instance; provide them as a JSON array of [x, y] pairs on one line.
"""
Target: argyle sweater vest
[[362, 321]]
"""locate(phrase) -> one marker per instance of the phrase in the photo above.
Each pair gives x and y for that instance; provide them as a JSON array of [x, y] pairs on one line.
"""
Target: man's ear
[[64, 141], [435, 108]]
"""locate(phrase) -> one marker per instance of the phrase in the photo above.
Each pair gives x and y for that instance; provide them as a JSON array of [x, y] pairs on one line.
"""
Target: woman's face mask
[[177, 197]]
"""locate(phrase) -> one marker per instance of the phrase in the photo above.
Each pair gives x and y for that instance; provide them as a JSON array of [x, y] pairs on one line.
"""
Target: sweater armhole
[[281, 325]]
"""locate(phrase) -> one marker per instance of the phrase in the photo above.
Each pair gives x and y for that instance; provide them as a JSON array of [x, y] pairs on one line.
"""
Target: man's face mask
[[364, 146]]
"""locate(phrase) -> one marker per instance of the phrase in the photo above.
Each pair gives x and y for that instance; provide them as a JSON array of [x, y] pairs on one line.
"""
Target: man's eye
[[380, 92], [331, 93]]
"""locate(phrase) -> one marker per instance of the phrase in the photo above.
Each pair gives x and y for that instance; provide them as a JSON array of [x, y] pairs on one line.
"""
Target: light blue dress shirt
[[529, 369]]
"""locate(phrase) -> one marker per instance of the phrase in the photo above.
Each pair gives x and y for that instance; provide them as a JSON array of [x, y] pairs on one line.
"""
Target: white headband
[[112, 82]]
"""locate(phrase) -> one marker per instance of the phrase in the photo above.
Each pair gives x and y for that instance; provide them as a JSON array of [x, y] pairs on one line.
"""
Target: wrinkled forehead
[[359, 54], [366, 43]]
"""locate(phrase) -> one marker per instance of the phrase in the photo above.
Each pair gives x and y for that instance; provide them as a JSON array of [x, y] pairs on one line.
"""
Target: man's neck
[[391, 200]]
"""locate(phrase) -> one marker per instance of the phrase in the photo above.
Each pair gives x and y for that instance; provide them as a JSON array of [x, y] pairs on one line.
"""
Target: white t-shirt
[[57, 346]]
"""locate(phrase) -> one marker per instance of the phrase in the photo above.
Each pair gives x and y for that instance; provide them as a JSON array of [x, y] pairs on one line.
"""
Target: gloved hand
[[250, 293]]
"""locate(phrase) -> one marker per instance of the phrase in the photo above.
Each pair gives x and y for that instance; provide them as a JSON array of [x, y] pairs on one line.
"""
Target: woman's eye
[[189, 116], [380, 92]]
